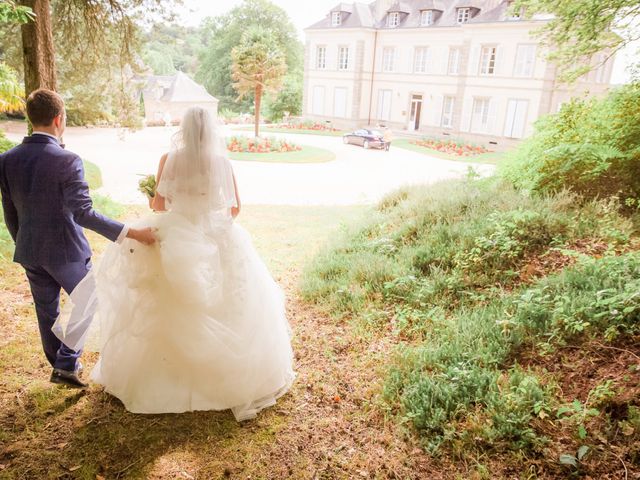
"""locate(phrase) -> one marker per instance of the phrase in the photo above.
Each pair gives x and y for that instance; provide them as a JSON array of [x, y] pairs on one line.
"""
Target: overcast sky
[[304, 13]]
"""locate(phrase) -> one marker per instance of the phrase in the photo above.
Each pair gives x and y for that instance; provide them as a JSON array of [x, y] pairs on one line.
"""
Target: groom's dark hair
[[43, 106]]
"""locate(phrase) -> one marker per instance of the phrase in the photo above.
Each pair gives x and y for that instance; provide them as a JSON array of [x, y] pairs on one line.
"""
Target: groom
[[46, 203]]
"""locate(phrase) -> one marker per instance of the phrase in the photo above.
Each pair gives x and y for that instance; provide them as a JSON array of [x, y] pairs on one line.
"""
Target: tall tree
[[221, 34], [259, 66], [93, 29], [37, 48], [581, 28]]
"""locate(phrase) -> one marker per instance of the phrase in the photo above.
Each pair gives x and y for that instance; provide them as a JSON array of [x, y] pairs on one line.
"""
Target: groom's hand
[[146, 236]]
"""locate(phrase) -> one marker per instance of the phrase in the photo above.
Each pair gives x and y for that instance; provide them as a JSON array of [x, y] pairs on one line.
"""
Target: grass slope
[[490, 291], [306, 155]]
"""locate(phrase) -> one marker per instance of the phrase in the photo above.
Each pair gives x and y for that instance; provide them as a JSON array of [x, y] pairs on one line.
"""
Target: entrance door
[[416, 110]]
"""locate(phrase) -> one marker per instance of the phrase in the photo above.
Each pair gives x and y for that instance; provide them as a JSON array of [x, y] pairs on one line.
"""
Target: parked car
[[365, 138]]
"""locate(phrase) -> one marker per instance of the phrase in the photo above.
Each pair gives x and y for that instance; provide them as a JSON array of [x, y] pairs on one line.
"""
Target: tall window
[[336, 19], [321, 57], [426, 18], [420, 60], [387, 59], [384, 105], [343, 58], [393, 20], [516, 118], [525, 61], [447, 112], [488, 61], [480, 115], [463, 15], [454, 61]]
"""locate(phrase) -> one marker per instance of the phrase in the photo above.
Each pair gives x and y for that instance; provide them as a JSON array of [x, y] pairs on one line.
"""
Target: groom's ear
[[58, 120]]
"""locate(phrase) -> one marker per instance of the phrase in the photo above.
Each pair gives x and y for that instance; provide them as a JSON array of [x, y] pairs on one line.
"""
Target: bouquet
[[147, 185]]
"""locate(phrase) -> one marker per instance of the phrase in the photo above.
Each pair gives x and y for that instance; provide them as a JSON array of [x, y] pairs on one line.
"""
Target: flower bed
[[451, 147], [260, 145], [315, 126]]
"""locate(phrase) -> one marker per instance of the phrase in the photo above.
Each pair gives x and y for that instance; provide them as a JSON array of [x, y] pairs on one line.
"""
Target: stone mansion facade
[[464, 68]]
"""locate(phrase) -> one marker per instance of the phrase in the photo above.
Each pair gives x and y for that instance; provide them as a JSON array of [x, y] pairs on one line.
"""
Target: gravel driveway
[[357, 176]]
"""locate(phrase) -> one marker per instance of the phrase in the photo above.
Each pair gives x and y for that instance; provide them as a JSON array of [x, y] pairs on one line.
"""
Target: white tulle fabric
[[195, 322]]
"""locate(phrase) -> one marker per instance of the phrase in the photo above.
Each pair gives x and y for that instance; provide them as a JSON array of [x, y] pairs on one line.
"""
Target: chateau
[[466, 68]]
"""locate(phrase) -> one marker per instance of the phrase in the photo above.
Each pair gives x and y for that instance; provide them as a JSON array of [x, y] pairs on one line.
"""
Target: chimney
[[380, 8]]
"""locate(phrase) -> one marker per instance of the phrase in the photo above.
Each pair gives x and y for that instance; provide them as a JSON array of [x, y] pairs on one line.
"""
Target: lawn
[[306, 155], [492, 158]]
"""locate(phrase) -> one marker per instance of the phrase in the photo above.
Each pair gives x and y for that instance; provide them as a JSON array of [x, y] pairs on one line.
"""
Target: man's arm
[[77, 200]]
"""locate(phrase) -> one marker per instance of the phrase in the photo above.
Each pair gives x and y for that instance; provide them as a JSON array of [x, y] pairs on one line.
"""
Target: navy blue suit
[[46, 204]]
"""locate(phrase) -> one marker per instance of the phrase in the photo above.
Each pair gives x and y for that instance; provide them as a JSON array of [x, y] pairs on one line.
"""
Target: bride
[[196, 322]]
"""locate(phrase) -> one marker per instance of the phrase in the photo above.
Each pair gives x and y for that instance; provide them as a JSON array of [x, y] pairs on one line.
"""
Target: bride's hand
[[235, 211], [146, 236]]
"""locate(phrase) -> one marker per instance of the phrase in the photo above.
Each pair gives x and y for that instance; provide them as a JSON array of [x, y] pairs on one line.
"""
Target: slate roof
[[445, 14], [178, 88]]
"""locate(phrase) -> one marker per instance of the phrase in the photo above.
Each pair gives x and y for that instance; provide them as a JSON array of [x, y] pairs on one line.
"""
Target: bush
[[5, 143], [591, 147]]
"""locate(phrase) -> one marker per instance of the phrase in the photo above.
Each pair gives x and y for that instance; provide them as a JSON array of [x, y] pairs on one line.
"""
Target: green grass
[[306, 155], [492, 158], [92, 175], [324, 133], [443, 269]]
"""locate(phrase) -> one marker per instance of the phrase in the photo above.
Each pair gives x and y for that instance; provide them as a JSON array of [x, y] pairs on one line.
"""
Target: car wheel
[[345, 140], [366, 144]]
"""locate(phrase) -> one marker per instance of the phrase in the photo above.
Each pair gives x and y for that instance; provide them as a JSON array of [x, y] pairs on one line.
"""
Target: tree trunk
[[37, 48], [257, 109]]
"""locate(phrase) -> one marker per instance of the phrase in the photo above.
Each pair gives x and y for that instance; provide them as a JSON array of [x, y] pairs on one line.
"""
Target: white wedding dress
[[195, 322]]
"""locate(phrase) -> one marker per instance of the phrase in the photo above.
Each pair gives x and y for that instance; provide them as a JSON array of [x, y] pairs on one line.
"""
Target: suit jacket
[[46, 203]]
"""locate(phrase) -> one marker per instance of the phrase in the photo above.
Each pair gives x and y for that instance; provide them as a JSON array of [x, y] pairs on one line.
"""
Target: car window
[[360, 132], [375, 133]]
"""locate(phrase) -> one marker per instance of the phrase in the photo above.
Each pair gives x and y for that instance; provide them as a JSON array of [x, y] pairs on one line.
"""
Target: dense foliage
[[223, 33], [591, 147], [171, 48]]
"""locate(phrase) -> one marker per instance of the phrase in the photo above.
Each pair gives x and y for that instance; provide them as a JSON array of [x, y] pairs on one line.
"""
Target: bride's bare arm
[[158, 203], [235, 211]]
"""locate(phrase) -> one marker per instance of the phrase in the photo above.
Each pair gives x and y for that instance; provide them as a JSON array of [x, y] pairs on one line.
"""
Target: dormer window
[[393, 20], [426, 18], [336, 19], [463, 15]]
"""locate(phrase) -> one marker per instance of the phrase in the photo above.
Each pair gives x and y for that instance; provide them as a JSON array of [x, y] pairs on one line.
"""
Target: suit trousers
[[46, 281]]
